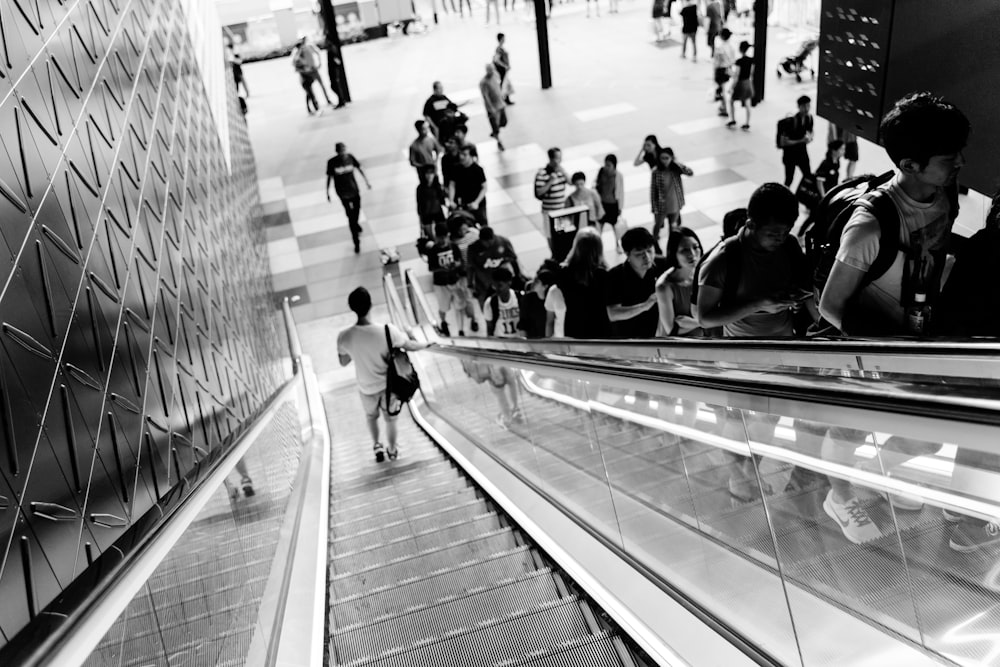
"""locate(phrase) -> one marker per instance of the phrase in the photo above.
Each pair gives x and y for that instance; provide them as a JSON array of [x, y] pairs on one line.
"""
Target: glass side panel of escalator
[[776, 521]]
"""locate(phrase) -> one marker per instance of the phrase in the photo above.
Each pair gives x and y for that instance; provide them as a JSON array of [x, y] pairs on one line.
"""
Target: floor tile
[[596, 113]]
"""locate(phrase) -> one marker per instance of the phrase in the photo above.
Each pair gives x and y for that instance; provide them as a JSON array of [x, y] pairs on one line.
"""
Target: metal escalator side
[[713, 478]]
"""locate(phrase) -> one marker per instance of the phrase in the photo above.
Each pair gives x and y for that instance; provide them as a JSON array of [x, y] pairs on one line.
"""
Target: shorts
[[612, 213], [743, 91], [372, 404], [721, 75], [851, 151], [480, 372], [449, 296]]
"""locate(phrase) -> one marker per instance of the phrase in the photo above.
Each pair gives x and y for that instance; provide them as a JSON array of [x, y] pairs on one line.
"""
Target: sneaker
[[443, 328], [247, 485], [731, 123], [747, 491], [968, 536], [517, 414], [500, 146], [393, 453], [744, 127], [898, 500], [474, 326], [852, 518], [379, 452]]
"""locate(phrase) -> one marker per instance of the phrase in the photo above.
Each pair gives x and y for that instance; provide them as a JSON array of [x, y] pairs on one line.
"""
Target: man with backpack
[[366, 344], [489, 253], [795, 133], [751, 283], [893, 244], [880, 249], [306, 61]]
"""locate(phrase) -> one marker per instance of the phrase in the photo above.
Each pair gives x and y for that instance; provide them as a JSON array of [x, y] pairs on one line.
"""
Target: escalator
[[647, 503]]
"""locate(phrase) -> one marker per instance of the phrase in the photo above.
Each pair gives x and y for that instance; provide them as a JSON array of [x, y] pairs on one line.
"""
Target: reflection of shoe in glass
[[971, 535], [474, 325], [517, 415], [443, 328], [379, 452], [393, 453], [747, 490], [803, 479], [247, 485], [951, 517], [899, 501], [852, 518], [503, 421]]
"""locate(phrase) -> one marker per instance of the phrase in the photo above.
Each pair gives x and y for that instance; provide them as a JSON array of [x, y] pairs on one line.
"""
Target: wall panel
[[137, 331]]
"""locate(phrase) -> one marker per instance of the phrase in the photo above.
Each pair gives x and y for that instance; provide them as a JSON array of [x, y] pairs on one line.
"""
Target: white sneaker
[[852, 518]]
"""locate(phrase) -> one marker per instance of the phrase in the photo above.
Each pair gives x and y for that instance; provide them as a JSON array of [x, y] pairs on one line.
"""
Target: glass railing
[[824, 528]]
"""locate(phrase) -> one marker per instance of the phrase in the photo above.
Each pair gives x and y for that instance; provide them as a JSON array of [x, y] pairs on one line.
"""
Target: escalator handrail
[[987, 348]]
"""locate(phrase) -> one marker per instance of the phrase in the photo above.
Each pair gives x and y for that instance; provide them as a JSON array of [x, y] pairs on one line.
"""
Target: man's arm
[[665, 303], [842, 284], [413, 161], [329, 178], [712, 313], [618, 312], [480, 197], [357, 165]]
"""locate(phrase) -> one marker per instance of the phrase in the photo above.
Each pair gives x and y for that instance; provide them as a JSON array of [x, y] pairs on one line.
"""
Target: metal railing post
[[294, 346]]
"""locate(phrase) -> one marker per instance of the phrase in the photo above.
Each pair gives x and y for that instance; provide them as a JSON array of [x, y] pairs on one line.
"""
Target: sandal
[[379, 452], [393, 453]]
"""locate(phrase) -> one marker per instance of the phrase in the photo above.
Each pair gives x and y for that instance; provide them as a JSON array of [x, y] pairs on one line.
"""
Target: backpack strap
[[880, 204], [733, 256], [389, 368]]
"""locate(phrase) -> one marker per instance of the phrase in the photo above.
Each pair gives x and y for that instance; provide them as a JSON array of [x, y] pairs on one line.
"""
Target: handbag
[[808, 192], [401, 381]]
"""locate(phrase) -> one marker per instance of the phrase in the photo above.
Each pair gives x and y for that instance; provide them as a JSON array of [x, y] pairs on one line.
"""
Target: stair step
[[392, 479], [349, 583], [343, 522], [408, 546], [380, 502], [498, 643], [400, 596], [596, 651], [407, 527], [464, 614]]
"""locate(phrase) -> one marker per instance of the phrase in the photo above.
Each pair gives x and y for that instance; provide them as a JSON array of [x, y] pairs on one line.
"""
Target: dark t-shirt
[[626, 288], [797, 128], [341, 169], [445, 261], [586, 314], [468, 182], [533, 316], [745, 63], [449, 165], [829, 173], [436, 105], [762, 274], [689, 16], [484, 260]]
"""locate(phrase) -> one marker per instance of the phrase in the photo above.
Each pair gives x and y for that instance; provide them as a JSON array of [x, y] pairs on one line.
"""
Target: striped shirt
[[555, 198]]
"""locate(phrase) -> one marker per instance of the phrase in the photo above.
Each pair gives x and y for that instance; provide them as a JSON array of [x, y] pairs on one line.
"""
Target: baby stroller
[[795, 64]]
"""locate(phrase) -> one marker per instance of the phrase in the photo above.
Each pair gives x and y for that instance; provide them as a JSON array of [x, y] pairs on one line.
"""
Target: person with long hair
[[647, 154], [673, 287], [666, 192], [581, 281]]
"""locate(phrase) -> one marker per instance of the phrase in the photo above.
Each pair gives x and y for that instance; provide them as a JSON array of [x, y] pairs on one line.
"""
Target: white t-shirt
[[365, 344], [510, 315], [926, 226], [556, 303]]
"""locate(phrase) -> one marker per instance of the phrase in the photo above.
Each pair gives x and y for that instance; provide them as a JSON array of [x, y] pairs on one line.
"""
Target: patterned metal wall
[[853, 62], [136, 328]]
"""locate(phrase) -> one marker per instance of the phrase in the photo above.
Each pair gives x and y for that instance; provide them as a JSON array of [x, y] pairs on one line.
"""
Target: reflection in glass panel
[[201, 604]]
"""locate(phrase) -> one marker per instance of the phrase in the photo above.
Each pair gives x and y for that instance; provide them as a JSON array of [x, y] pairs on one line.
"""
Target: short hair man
[[487, 254], [631, 286], [340, 169], [467, 189], [794, 137], [493, 101], [550, 188], [365, 343], [425, 149], [772, 280], [440, 112], [924, 137]]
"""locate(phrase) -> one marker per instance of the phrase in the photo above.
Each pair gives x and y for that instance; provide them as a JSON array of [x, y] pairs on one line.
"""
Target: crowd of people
[[885, 277]]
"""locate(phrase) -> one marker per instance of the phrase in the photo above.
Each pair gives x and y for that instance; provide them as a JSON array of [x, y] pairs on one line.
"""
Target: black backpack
[[491, 326], [822, 230], [732, 223]]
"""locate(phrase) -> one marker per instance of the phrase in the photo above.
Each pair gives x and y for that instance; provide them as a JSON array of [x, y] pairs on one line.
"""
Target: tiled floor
[[612, 85]]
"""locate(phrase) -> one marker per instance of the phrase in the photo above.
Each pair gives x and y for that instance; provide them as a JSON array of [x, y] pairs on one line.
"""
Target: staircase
[[425, 570]]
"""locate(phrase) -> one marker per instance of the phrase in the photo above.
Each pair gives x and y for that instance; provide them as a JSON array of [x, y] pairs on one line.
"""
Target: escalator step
[[407, 525], [379, 502], [434, 623], [413, 544], [346, 521], [399, 596], [389, 484], [498, 643], [351, 583], [598, 651]]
